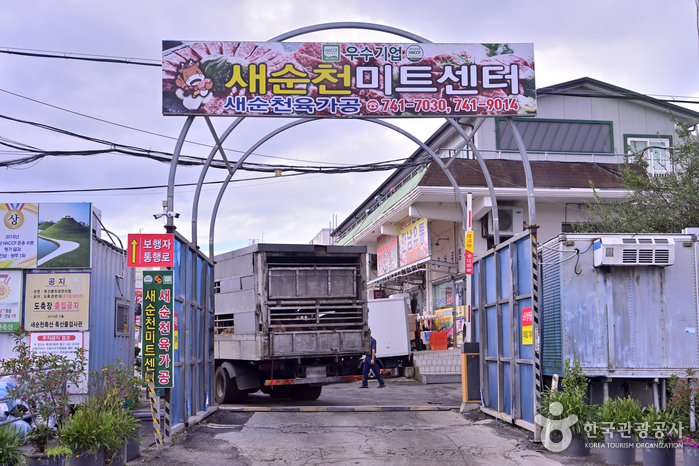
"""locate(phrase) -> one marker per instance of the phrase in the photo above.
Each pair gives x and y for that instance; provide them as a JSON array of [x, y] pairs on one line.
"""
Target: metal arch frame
[[453, 122], [281, 129]]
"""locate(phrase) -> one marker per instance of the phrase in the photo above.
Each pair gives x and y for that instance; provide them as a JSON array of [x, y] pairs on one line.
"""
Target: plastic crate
[[438, 341]]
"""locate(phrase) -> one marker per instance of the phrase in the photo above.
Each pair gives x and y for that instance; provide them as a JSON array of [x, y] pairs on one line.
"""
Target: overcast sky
[[647, 46]]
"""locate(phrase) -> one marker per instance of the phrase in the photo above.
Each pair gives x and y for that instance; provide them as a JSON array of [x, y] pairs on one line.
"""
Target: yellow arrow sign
[[134, 243]]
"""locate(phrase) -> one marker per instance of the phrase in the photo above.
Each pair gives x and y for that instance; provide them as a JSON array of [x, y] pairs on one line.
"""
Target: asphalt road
[[406, 423]]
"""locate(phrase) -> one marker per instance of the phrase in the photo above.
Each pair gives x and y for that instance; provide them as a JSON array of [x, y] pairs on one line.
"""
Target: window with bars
[[654, 150]]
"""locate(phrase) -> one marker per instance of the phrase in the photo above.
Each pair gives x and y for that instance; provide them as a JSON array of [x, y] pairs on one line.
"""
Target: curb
[[335, 409]]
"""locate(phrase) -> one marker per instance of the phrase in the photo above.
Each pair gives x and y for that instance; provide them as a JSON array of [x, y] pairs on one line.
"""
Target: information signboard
[[158, 327], [351, 80], [151, 250], [414, 240], [57, 301]]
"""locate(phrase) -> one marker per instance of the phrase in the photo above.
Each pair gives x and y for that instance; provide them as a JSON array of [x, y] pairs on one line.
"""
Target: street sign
[[151, 250], [158, 329]]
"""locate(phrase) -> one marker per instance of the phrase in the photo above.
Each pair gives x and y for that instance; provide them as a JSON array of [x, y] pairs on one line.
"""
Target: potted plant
[[86, 434], [570, 399], [10, 441], [618, 417], [40, 383], [123, 427], [655, 431], [115, 390], [683, 396]]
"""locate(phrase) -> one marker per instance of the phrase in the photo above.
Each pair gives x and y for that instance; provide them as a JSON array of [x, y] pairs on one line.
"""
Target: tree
[[655, 204]]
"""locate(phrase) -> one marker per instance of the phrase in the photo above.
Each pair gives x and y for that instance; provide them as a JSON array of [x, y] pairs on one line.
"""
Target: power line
[[80, 56], [145, 131]]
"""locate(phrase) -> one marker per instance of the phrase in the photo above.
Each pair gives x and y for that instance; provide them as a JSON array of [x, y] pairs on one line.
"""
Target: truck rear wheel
[[225, 388], [306, 393]]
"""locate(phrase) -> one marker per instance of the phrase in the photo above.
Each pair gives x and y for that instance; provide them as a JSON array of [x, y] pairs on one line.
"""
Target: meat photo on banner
[[354, 80]]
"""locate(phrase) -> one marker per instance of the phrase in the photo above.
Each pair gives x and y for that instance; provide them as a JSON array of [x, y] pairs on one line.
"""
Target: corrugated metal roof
[[383, 207]]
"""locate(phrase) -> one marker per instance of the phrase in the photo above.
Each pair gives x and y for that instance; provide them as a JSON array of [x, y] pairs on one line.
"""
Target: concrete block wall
[[437, 366]]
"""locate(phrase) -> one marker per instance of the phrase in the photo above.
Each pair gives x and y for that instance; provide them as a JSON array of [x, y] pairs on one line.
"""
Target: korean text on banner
[[387, 254], [151, 250], [527, 333], [57, 301], [414, 240], [158, 326], [10, 300], [468, 248], [350, 80]]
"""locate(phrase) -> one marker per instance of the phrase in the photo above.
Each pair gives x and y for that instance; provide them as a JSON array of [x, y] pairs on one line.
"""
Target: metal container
[[619, 320]]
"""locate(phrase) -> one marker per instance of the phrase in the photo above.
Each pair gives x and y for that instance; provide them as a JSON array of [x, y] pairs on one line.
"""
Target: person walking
[[370, 363]]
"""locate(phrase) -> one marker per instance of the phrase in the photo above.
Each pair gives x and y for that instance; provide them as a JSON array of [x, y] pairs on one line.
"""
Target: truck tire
[[306, 393], [225, 388]]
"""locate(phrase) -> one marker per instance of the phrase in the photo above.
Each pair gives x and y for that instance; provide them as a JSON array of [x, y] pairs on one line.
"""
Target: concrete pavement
[[475, 438]]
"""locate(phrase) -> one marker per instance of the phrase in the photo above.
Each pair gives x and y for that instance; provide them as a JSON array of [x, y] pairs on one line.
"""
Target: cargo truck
[[390, 327], [289, 319]]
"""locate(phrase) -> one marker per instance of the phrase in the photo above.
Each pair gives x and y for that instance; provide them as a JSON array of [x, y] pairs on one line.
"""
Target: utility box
[[633, 319]]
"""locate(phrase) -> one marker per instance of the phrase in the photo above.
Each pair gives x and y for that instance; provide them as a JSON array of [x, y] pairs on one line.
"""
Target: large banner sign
[[46, 235], [158, 326], [387, 254], [414, 240], [355, 80]]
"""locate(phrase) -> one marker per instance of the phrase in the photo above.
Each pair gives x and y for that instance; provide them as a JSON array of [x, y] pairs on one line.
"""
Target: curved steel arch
[[453, 122], [281, 129]]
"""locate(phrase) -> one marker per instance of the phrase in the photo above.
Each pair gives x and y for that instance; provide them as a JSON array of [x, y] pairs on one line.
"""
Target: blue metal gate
[[193, 272], [507, 316]]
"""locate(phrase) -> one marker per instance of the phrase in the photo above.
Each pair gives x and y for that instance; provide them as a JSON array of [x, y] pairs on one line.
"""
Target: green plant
[[113, 390], [88, 429], [40, 382], [683, 396], [123, 426], [663, 425], [10, 441], [114, 384], [58, 450], [572, 395], [619, 414]]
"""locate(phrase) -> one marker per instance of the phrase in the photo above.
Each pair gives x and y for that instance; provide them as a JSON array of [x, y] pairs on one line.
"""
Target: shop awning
[[416, 267]]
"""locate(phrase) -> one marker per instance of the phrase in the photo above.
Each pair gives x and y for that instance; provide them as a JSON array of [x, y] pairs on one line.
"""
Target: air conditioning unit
[[634, 251], [511, 221]]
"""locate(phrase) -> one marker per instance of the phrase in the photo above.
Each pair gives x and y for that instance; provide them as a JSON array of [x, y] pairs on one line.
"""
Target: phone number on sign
[[442, 106]]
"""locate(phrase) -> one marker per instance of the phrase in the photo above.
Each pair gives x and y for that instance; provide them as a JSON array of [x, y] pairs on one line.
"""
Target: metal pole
[[169, 222], [154, 409], [527, 171]]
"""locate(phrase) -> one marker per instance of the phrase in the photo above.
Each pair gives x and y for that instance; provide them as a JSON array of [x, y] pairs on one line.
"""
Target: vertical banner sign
[[10, 300], [527, 333], [387, 254], [158, 326], [468, 247]]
